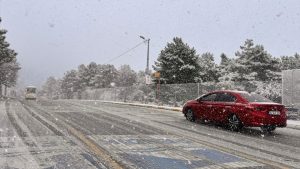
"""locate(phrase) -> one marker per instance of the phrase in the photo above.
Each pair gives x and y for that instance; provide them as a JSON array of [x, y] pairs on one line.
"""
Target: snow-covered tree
[[92, 71], [126, 76], [51, 89], [290, 62], [104, 76], [6, 54], [255, 63], [70, 84], [8, 63], [178, 63], [226, 71], [84, 76], [141, 77], [208, 68]]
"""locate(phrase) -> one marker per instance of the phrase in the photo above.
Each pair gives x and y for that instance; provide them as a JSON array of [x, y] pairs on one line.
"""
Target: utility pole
[[148, 46]]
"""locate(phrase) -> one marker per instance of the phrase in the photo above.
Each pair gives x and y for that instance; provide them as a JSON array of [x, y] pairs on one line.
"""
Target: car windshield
[[253, 97], [31, 90]]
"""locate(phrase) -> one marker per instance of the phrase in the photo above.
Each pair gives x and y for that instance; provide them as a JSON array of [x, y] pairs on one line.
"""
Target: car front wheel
[[190, 115], [234, 123]]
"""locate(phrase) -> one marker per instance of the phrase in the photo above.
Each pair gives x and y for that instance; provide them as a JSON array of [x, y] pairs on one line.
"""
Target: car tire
[[267, 129], [190, 115], [234, 123]]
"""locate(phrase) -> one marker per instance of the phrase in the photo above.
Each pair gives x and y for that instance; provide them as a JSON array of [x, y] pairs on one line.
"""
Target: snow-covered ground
[[77, 133], [293, 123]]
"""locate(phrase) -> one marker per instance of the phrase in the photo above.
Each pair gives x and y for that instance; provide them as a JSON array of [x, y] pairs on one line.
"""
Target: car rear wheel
[[190, 115], [234, 123], [268, 129]]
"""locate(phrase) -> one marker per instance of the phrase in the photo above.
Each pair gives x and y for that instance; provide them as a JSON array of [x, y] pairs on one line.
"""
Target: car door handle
[[209, 106], [227, 106]]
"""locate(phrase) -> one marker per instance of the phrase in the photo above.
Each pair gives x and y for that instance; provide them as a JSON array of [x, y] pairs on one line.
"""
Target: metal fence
[[178, 94], [291, 90]]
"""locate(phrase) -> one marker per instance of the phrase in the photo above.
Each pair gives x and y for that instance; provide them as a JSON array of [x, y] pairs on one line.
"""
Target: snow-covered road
[[93, 134]]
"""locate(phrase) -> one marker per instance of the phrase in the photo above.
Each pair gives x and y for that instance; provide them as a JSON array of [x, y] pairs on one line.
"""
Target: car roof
[[30, 87]]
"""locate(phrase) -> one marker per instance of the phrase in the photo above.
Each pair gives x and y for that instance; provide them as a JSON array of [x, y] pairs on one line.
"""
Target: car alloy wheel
[[234, 123], [190, 115]]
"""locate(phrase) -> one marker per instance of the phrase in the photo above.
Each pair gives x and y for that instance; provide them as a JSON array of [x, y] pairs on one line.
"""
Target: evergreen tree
[[290, 62], [92, 70], [178, 63], [110, 75], [70, 84], [208, 68], [9, 73], [226, 69], [84, 76], [6, 54], [51, 88], [8, 63], [126, 76], [254, 63], [224, 60]]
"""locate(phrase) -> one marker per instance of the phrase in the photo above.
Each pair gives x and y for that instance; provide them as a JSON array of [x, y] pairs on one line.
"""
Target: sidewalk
[[294, 124]]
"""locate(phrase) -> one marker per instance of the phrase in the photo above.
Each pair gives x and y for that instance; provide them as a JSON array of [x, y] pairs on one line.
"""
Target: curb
[[178, 109]]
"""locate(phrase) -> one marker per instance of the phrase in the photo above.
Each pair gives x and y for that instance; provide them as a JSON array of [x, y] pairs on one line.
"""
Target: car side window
[[225, 97], [210, 97]]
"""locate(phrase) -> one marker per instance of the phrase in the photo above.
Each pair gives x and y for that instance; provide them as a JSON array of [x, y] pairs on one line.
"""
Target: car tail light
[[253, 108]]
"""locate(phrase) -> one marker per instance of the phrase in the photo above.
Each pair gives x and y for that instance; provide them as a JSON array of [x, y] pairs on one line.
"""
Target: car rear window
[[252, 97]]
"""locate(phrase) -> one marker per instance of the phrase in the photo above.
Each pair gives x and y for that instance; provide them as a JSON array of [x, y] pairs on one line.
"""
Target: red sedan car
[[237, 109]]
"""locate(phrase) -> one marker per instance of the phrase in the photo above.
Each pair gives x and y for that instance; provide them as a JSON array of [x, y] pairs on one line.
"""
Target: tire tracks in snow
[[96, 150]]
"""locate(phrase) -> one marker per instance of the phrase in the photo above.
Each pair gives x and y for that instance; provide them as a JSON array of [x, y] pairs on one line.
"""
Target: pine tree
[[9, 66], [224, 59], [51, 88], [226, 69], [126, 76], [290, 62], [254, 63], [178, 63], [92, 70], [208, 68], [70, 84], [83, 75], [110, 75]]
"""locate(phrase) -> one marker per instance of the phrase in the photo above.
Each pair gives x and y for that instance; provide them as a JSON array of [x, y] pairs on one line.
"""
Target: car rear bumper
[[278, 121]]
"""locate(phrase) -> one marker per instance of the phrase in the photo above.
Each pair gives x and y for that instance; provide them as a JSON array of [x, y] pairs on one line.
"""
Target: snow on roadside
[[294, 123]]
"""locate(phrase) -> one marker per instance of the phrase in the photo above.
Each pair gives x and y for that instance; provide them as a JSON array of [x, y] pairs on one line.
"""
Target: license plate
[[274, 112]]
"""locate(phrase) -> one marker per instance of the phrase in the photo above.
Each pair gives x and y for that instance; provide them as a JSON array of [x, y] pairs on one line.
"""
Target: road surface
[[90, 134]]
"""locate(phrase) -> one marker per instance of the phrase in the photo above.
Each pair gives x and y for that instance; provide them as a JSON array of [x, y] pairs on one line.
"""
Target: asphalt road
[[91, 134]]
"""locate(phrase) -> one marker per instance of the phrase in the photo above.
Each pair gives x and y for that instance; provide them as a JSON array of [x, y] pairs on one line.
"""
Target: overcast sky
[[53, 36]]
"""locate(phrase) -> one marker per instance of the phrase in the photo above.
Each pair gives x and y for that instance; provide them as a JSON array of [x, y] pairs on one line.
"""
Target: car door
[[222, 106], [203, 108]]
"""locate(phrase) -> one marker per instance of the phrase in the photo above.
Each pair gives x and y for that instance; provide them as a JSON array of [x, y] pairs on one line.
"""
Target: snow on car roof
[[30, 87], [233, 91]]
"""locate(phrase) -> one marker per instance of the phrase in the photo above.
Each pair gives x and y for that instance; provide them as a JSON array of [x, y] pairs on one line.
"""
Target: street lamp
[[148, 41], [175, 92], [113, 84]]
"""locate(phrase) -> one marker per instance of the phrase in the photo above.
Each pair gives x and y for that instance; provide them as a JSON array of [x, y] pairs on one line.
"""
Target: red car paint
[[250, 114]]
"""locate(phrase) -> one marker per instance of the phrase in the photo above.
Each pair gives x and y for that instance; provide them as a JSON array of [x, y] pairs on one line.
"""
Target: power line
[[125, 52]]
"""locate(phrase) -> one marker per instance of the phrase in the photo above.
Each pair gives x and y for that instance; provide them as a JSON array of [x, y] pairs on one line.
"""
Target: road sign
[[148, 79], [157, 75]]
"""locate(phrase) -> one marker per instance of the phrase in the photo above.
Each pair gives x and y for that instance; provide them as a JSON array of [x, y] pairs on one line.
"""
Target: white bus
[[30, 93]]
